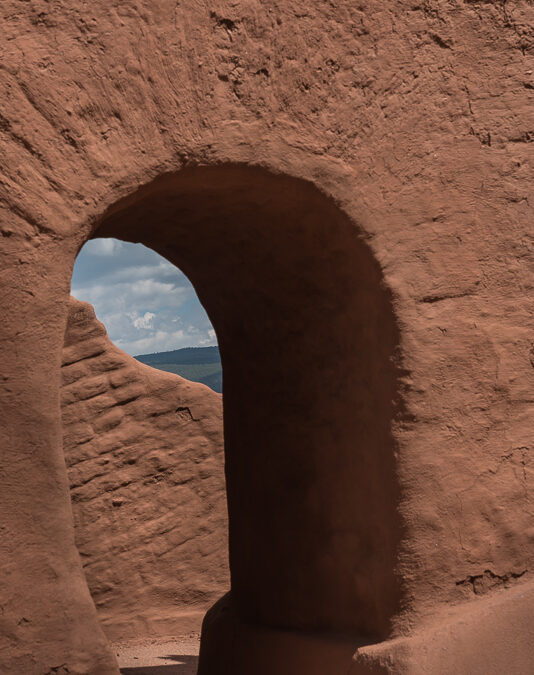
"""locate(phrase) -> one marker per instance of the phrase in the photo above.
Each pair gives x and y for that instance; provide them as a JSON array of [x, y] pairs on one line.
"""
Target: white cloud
[[102, 246], [143, 322], [122, 296], [145, 302], [162, 269]]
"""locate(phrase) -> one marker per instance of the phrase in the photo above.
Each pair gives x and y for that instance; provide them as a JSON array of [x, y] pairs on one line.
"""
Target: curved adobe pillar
[[48, 621], [308, 338]]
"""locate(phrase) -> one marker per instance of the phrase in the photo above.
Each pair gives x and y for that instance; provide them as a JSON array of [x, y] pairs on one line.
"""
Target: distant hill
[[198, 364]]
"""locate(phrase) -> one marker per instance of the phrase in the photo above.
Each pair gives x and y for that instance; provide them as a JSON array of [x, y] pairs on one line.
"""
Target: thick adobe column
[[47, 618]]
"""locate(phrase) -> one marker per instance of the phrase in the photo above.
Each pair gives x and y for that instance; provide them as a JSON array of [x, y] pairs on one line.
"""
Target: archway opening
[[308, 337], [144, 448]]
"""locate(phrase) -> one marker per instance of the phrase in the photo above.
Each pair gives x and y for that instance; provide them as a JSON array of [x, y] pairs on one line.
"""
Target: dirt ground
[[178, 656]]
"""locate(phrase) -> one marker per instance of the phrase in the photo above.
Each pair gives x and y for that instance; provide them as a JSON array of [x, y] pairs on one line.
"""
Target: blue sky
[[145, 302]]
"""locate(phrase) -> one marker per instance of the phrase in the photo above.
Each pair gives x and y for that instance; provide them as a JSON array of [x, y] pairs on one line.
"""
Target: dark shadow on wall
[[309, 346], [185, 665]]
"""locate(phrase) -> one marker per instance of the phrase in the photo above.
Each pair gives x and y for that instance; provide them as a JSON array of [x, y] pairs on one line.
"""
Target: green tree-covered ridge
[[198, 364]]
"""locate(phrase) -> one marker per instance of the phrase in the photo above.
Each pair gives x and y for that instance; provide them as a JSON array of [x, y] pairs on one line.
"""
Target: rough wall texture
[[416, 121], [144, 452]]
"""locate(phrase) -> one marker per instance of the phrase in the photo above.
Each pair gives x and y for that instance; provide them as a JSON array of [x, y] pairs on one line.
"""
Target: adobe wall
[[144, 454], [416, 120]]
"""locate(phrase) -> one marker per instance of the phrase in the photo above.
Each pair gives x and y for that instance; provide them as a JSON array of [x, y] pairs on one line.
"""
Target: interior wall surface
[[416, 123]]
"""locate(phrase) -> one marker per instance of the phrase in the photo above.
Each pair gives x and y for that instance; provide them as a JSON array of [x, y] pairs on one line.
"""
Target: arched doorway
[[308, 339], [145, 460]]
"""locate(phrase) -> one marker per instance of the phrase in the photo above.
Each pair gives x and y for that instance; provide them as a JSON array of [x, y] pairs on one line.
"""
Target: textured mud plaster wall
[[144, 452], [416, 119]]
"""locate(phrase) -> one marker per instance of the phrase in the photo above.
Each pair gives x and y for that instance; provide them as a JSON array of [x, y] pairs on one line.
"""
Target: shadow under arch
[[307, 335]]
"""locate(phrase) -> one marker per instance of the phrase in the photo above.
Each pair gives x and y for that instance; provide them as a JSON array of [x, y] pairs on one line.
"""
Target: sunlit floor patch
[[159, 657]]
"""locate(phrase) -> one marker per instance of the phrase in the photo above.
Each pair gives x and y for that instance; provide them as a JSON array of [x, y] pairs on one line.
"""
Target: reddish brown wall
[[411, 128], [144, 452]]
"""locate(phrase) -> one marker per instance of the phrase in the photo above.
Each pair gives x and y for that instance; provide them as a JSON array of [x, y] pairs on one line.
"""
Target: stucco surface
[[404, 130]]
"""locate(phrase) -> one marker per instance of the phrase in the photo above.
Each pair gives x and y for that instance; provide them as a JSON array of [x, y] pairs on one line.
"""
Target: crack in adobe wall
[[487, 581], [503, 461]]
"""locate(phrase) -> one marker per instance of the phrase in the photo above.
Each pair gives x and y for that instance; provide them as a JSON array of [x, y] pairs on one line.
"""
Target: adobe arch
[[308, 341]]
